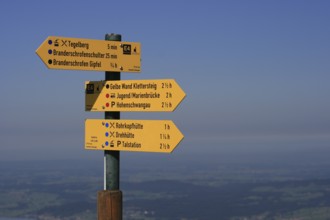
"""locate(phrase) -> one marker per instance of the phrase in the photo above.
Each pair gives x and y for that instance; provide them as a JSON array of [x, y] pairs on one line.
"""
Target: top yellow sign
[[87, 54]]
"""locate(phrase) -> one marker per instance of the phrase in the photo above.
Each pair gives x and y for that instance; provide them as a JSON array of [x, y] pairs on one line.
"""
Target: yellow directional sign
[[87, 54], [133, 95], [132, 135]]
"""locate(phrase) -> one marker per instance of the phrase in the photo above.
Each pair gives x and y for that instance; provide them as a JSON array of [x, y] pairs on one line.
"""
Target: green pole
[[110, 200], [111, 158]]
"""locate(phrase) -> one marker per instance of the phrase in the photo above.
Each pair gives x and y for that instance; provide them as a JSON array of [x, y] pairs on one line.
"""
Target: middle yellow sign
[[133, 95]]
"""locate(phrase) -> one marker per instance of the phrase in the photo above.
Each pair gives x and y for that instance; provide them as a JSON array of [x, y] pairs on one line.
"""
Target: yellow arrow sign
[[133, 95], [87, 54], [132, 135]]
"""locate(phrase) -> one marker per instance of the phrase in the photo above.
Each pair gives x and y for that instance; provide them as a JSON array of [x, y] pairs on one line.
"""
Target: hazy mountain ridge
[[67, 190]]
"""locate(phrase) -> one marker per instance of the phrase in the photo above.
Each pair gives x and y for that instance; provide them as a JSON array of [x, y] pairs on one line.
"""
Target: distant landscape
[[233, 189]]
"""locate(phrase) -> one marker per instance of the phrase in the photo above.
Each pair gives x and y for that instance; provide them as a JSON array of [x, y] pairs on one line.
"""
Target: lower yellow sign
[[132, 135]]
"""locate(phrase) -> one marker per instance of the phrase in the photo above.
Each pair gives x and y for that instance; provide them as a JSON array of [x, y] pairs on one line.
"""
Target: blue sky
[[256, 73]]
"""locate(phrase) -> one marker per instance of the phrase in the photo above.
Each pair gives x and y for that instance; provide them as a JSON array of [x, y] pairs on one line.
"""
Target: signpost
[[113, 96], [86, 54], [133, 95], [160, 136]]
